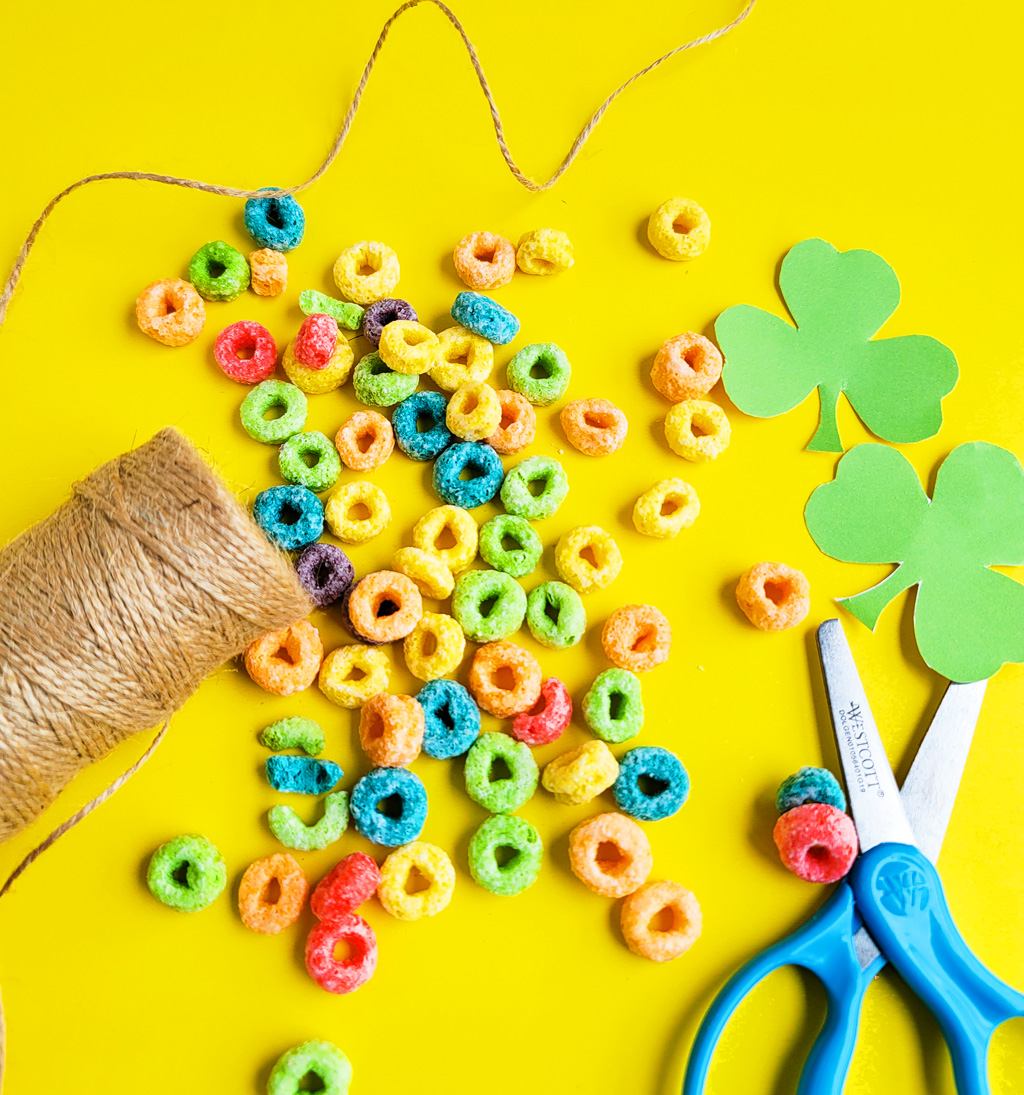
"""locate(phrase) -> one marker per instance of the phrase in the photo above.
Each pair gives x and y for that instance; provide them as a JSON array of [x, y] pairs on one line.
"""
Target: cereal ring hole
[[483, 253], [368, 266], [684, 224], [413, 337], [670, 504], [819, 853], [664, 920], [428, 644], [616, 703], [359, 511], [215, 268], [589, 555], [343, 951], [373, 726], [416, 881], [180, 873], [510, 543], [392, 806], [646, 641], [470, 472], [700, 428], [499, 770], [271, 892], [504, 678], [505, 857], [651, 786], [599, 420], [778, 592], [486, 606], [445, 539], [540, 369], [385, 607], [610, 858], [425, 423]]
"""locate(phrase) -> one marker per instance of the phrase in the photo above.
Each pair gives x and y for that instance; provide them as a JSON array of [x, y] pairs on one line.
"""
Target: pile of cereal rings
[[816, 838]]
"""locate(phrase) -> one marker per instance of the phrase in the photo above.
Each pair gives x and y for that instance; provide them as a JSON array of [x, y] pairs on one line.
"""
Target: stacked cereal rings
[[816, 839]]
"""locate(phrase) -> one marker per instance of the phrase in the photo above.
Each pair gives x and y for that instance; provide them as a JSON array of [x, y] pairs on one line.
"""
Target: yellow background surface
[[891, 127]]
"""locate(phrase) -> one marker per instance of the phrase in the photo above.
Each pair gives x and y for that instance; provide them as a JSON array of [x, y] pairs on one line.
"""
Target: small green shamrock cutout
[[968, 619], [839, 299]]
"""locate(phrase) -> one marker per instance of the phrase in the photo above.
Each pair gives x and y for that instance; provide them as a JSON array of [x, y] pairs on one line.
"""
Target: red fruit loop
[[316, 341], [254, 341], [347, 974], [548, 718], [817, 842], [348, 884]]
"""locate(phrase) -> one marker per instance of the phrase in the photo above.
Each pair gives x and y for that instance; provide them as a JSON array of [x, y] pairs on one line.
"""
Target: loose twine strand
[[346, 125]]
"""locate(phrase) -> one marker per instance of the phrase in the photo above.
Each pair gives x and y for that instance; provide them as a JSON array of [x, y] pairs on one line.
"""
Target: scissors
[[891, 907]]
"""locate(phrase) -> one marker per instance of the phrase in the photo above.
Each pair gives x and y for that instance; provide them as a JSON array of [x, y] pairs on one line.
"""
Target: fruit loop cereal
[[378, 386], [485, 317], [488, 605], [637, 638], [555, 615], [384, 606], [416, 860], [610, 854], [517, 426], [278, 223], [645, 907], [218, 271], [303, 650], [518, 496], [810, 785], [391, 730], [302, 775], [347, 315], [187, 873], [464, 358], [504, 679], [419, 424], [614, 708], [348, 974], [489, 862], [544, 251], [652, 783], [316, 341], [579, 776], [352, 674], [291, 517], [594, 426], [473, 412], [452, 719], [540, 372], [484, 260], [587, 558], [364, 441], [409, 348], [322, 474], [294, 732], [450, 533], [350, 883], [679, 230], [686, 367], [549, 716], [268, 270], [321, 1059], [817, 842], [357, 511], [268, 396], [773, 596], [325, 572], [292, 831], [480, 462], [428, 571], [666, 509], [697, 430], [524, 548], [389, 806], [366, 272], [170, 311], [382, 312], [501, 774], [319, 381], [260, 911], [249, 338], [434, 647]]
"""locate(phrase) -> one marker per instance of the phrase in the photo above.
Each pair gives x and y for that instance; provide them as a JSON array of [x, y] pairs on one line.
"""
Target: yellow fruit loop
[[171, 311], [610, 854], [679, 230], [773, 596], [415, 863], [366, 272], [544, 251], [697, 430], [429, 571], [261, 910], [660, 921], [268, 272], [587, 558], [457, 546], [285, 676], [666, 509], [319, 381], [485, 260], [357, 511], [434, 647], [463, 358], [409, 348], [581, 774], [474, 412], [352, 674], [391, 730]]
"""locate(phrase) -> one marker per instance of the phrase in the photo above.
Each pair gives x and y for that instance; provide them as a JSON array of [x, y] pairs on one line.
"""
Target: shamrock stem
[[867, 606], [826, 437]]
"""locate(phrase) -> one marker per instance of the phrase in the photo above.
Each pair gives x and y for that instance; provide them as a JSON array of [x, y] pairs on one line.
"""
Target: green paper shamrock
[[968, 619], [839, 299]]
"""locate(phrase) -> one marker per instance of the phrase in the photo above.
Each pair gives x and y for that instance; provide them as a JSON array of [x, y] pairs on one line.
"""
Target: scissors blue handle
[[824, 946]]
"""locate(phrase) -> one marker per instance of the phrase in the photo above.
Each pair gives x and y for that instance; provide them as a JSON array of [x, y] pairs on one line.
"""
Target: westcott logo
[[858, 746]]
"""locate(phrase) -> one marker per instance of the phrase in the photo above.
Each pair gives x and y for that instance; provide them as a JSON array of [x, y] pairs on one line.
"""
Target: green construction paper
[[968, 619], [839, 299]]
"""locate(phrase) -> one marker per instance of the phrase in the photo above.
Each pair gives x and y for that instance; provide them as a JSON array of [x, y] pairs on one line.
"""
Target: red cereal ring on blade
[[345, 887], [637, 638], [549, 716], [817, 842], [347, 974], [315, 343], [246, 352], [260, 908]]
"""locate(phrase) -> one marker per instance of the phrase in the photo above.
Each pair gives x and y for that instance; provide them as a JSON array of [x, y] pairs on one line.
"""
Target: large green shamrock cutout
[[968, 619], [839, 299]]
